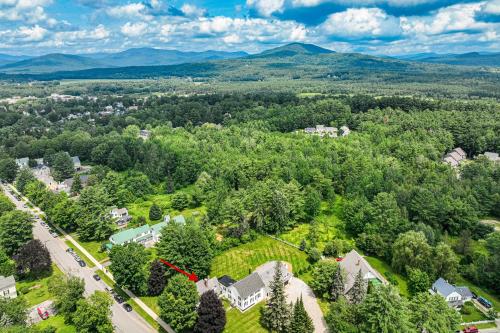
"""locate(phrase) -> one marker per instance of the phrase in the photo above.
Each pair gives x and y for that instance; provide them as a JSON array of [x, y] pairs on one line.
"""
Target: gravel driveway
[[297, 287]]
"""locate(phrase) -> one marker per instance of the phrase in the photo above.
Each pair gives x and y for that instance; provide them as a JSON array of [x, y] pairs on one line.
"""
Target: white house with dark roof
[[352, 263], [8, 287], [454, 296]]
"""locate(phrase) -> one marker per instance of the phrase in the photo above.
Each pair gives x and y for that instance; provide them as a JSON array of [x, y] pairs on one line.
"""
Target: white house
[[352, 263], [23, 162], [118, 213], [455, 296], [8, 287]]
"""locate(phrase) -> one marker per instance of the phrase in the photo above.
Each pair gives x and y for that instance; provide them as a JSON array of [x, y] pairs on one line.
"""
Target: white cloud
[[361, 23], [130, 10], [33, 34], [267, 7], [30, 11], [491, 7], [134, 29], [192, 10]]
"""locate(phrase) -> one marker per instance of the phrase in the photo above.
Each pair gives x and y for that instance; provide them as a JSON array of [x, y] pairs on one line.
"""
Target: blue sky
[[391, 27]]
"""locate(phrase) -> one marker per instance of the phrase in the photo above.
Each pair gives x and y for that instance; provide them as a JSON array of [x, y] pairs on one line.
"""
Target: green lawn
[[474, 315], [57, 322], [239, 261], [384, 268], [36, 289], [152, 302], [246, 322], [93, 247], [330, 226], [84, 257]]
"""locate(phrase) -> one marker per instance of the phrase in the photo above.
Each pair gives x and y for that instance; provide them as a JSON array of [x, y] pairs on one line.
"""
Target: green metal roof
[[129, 234], [157, 227]]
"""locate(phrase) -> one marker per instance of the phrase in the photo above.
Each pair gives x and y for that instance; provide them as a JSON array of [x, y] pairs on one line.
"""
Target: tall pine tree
[[276, 315], [301, 322], [359, 289], [338, 284], [211, 314]]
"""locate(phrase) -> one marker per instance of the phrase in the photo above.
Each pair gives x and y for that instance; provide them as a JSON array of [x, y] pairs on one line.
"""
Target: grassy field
[[89, 263], [37, 289], [93, 248], [384, 268], [474, 315], [58, 323], [141, 207], [330, 226], [246, 322], [239, 261]]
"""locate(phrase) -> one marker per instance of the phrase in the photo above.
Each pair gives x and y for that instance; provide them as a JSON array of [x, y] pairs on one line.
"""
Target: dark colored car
[[69, 250], [485, 302], [118, 299], [127, 307], [82, 263], [96, 277]]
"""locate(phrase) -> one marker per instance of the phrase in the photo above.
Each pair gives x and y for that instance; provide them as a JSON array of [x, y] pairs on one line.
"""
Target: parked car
[[43, 224], [70, 250], [96, 277], [485, 302], [108, 289], [127, 307], [474, 295], [471, 329], [82, 263], [42, 312], [54, 234], [118, 299]]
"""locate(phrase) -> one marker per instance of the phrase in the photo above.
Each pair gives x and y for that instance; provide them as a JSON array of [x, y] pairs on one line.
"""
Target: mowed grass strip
[[240, 261], [246, 322]]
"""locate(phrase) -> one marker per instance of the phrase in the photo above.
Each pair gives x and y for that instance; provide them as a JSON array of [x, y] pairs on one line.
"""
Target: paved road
[[294, 289], [124, 322]]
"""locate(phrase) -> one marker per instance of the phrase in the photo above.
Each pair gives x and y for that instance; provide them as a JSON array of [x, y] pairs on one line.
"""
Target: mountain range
[[141, 57]]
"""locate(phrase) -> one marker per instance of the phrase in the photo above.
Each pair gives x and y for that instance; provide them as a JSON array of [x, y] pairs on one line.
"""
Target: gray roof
[[206, 285], [226, 281], [267, 271], [249, 285], [464, 292], [442, 287], [460, 151], [76, 160], [7, 282], [492, 156], [352, 263]]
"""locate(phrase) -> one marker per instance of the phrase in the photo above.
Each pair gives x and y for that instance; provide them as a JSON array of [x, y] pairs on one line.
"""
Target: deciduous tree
[[33, 258], [157, 278], [323, 276], [128, 264], [67, 292], [431, 313], [211, 314], [411, 250], [16, 229], [94, 314]]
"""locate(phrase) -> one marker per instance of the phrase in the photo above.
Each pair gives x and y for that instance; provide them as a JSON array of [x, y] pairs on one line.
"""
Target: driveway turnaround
[[294, 289]]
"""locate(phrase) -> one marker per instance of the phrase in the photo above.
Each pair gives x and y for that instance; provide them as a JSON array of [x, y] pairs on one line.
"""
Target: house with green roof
[[145, 234]]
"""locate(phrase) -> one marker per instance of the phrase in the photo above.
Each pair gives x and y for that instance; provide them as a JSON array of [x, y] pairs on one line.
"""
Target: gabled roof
[[206, 285], [352, 263], [249, 285], [129, 234], [267, 271], [226, 281], [76, 160], [460, 151], [156, 228], [442, 287], [7, 282], [492, 156], [464, 292]]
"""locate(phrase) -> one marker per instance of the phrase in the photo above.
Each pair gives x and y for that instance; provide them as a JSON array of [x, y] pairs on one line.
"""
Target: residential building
[[76, 163], [492, 157], [8, 287], [177, 219], [247, 292], [454, 296], [145, 234], [345, 130], [351, 264], [23, 162], [455, 157], [120, 216], [206, 285], [145, 134]]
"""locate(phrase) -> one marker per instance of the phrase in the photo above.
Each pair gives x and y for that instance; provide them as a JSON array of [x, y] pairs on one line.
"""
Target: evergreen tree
[[276, 315], [301, 322], [211, 314], [155, 212], [157, 279], [76, 187], [359, 289], [342, 317], [338, 286]]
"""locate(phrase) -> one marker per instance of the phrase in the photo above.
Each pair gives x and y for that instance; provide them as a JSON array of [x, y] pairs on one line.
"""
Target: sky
[[390, 27]]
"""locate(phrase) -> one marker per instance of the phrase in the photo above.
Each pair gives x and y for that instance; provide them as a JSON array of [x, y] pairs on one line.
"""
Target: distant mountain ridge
[[131, 57], [465, 59]]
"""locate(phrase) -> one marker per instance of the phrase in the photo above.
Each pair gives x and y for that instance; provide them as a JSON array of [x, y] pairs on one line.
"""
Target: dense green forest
[[256, 172]]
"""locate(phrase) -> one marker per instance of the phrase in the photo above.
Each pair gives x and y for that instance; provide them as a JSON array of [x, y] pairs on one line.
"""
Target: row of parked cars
[[119, 299], [78, 259]]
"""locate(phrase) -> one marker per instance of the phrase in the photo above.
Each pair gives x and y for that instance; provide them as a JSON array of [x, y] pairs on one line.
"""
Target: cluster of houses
[[332, 132], [455, 157], [146, 235], [8, 287], [24, 162], [254, 288]]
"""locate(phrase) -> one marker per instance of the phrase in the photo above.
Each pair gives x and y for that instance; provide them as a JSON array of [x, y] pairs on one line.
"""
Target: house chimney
[[359, 261], [205, 280]]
